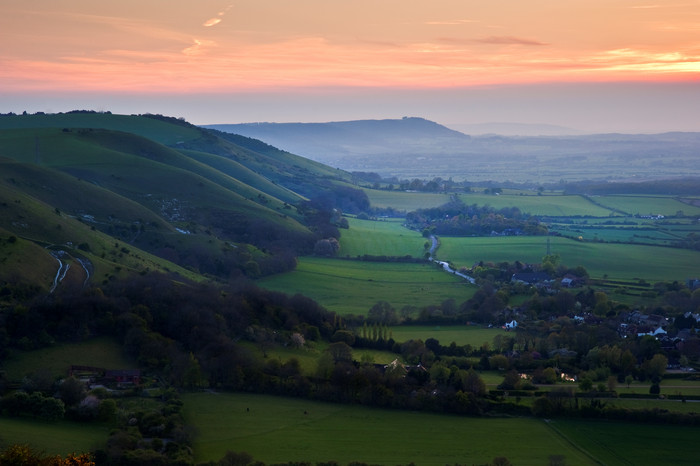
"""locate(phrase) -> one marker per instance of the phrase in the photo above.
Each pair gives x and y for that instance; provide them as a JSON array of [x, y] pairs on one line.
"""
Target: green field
[[276, 430], [405, 201], [309, 355], [353, 287], [617, 261], [548, 204], [52, 438], [98, 352], [631, 444], [461, 335], [380, 238], [647, 205]]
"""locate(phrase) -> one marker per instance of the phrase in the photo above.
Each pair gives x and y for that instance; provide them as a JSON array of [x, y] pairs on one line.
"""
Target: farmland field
[[461, 335], [309, 355], [98, 352], [353, 287], [547, 205], [553, 205], [638, 444], [647, 205], [53, 438], [380, 238], [276, 430], [617, 261], [405, 201]]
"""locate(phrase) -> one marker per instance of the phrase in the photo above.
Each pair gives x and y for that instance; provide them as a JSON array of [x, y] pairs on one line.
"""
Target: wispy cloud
[[453, 22], [218, 18], [197, 47], [509, 40]]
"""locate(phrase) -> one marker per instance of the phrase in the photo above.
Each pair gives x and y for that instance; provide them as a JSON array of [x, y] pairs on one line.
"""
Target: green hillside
[[177, 197]]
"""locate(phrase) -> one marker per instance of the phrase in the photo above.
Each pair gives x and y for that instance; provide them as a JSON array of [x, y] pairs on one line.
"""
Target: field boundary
[[549, 423]]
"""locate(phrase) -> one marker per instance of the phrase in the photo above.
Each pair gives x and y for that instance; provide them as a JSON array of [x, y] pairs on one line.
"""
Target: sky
[[594, 65]]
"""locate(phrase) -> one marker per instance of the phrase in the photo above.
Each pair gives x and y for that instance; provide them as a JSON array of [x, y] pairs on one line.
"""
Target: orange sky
[[210, 46], [165, 45]]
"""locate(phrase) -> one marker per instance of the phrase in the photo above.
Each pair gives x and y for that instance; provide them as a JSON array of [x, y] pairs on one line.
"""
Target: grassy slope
[[158, 130], [141, 170], [38, 224]]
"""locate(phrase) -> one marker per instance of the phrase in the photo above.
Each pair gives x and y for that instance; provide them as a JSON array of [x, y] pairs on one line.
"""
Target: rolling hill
[[137, 193]]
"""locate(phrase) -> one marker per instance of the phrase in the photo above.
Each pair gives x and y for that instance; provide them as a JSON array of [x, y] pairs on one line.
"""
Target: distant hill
[[120, 194], [337, 143], [417, 148]]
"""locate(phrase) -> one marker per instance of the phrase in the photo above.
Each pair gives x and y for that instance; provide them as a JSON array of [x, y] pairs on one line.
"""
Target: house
[[658, 332], [570, 281], [530, 278], [92, 375], [511, 325], [124, 377]]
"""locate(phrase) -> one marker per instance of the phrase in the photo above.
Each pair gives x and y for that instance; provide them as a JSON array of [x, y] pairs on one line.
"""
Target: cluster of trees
[[458, 219]]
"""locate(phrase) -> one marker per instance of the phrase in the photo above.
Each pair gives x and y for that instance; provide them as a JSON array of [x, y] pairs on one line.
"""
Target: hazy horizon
[[599, 66]]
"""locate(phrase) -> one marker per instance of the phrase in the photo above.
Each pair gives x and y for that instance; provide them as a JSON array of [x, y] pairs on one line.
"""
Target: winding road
[[63, 258], [446, 266]]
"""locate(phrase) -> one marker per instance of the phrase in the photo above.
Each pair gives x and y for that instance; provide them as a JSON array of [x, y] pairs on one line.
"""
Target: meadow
[[626, 443], [285, 429], [52, 438], [461, 335], [386, 237], [275, 430], [614, 261], [98, 352], [405, 201], [353, 287], [647, 205]]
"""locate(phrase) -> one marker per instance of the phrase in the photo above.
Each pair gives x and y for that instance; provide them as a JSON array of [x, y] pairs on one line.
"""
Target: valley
[[273, 309]]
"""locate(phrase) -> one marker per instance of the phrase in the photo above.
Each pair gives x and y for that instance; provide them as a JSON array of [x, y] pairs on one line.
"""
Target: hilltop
[[122, 194]]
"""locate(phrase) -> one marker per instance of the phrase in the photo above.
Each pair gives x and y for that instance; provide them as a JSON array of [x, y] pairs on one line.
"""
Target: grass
[[405, 201], [551, 205], [308, 356], [647, 205], [626, 443], [276, 430], [616, 261], [353, 287], [99, 352], [461, 335], [380, 238], [52, 438], [548, 205]]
